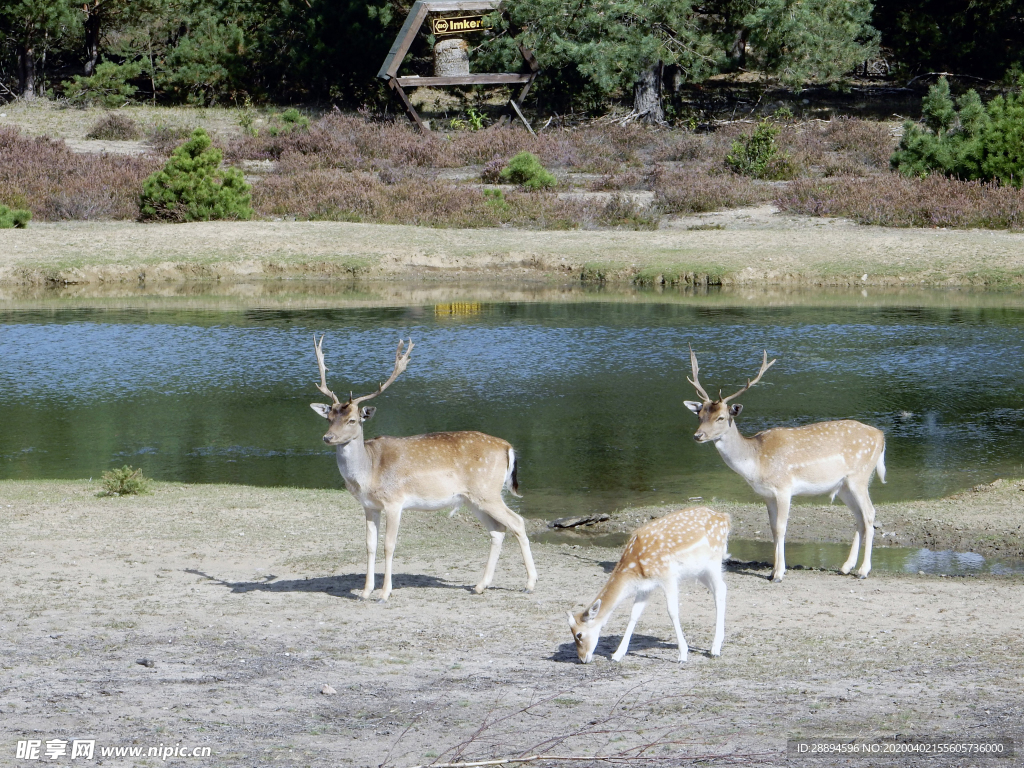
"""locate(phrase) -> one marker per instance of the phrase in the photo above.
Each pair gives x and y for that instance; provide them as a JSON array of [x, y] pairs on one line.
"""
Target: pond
[[589, 391]]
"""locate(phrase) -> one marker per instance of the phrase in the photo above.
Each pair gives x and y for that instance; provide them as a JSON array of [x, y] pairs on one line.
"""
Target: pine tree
[[193, 186]]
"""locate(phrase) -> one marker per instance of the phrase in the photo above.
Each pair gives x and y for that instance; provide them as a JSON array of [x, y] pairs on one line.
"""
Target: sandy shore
[[240, 603], [755, 247]]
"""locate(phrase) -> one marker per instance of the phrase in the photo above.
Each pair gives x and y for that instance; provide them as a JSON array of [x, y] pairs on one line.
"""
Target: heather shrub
[[893, 200], [491, 173], [114, 126], [758, 156], [193, 186], [14, 218], [525, 169], [359, 196], [166, 138], [107, 87], [696, 189], [54, 183]]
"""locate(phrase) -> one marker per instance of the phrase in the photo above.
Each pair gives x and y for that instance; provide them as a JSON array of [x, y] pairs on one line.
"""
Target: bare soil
[[241, 602]]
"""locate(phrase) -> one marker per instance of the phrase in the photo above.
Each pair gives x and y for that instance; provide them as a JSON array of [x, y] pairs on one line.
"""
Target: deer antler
[[695, 381], [322, 386], [401, 361], [765, 365]]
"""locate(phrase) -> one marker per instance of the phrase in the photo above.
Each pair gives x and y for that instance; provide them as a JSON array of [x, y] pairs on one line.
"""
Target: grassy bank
[[753, 247]]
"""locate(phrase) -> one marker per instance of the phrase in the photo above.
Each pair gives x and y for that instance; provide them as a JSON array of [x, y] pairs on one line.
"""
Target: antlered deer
[[835, 457], [425, 472], [686, 544]]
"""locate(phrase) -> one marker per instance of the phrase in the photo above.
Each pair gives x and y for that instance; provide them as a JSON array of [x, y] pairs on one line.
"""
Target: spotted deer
[[686, 544], [834, 457], [439, 470]]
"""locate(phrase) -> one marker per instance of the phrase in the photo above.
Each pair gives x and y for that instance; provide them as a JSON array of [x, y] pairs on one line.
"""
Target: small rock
[[327, 691], [146, 662], [575, 522]]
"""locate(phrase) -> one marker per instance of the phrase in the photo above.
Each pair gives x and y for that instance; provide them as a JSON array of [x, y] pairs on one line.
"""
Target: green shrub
[[525, 169], [14, 218], [758, 156], [289, 121], [247, 118], [965, 139], [114, 127], [107, 87], [496, 199], [295, 118], [193, 186], [124, 482]]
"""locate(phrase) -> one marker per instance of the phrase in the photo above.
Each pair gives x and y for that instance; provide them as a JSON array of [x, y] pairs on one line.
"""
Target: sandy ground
[[756, 247], [241, 602]]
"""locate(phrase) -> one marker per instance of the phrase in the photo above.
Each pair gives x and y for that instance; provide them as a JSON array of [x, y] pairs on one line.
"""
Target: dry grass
[[892, 200], [46, 177]]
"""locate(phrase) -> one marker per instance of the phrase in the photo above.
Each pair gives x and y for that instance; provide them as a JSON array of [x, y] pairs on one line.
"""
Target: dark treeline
[[292, 51]]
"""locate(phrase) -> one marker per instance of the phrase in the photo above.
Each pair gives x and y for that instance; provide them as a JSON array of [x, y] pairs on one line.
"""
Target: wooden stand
[[417, 15]]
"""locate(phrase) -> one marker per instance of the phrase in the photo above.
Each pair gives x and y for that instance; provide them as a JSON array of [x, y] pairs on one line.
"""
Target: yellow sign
[[449, 26]]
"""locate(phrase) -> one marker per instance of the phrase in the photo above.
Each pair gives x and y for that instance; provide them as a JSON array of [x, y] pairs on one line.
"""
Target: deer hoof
[[478, 589]]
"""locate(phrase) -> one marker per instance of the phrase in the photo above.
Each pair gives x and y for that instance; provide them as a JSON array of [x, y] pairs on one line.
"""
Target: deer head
[[716, 416], [586, 631], [347, 418]]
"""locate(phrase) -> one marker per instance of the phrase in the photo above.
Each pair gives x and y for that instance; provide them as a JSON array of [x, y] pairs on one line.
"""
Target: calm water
[[591, 394]]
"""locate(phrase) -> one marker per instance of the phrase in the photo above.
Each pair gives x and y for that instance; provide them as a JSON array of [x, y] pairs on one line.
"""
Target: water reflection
[[827, 555]]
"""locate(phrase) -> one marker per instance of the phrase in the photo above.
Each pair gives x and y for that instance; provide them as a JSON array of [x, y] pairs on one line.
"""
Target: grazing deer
[[424, 472], [835, 457], [686, 544]]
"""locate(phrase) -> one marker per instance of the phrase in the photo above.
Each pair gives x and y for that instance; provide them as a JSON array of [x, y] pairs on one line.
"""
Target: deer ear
[[735, 410], [693, 406], [321, 408], [367, 413], [591, 612], [572, 620]]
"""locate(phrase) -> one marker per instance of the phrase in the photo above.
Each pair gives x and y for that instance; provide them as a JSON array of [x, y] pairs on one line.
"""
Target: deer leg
[[372, 524], [849, 499], [393, 518], [504, 516], [778, 518], [634, 616], [714, 581], [497, 531], [867, 522], [671, 588]]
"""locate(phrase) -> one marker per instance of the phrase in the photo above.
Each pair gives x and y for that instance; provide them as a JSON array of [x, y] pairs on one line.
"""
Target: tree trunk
[[27, 72], [92, 39], [647, 95], [738, 51]]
